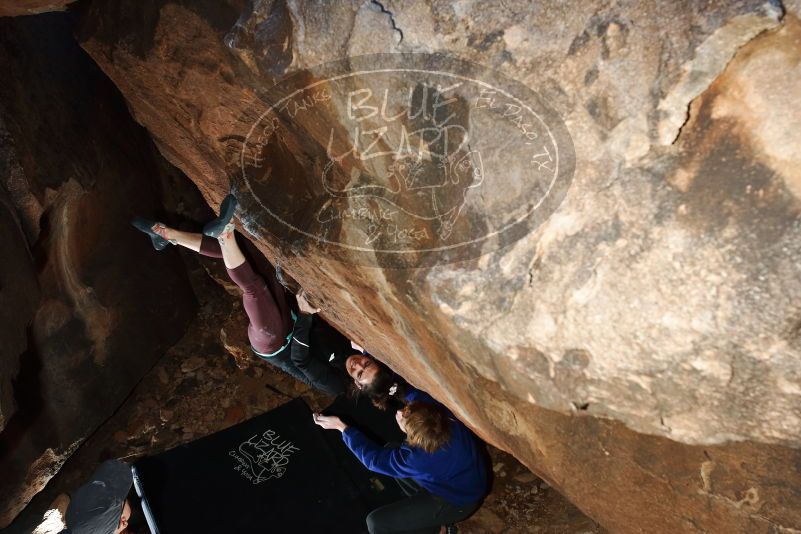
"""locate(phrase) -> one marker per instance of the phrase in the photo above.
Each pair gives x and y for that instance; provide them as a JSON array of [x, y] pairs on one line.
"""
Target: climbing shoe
[[215, 227], [146, 226]]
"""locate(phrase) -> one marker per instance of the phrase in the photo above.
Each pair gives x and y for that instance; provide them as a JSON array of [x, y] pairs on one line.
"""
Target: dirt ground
[[198, 388]]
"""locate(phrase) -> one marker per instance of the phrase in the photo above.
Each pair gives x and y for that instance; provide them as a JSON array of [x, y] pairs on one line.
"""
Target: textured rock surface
[[19, 291], [82, 317], [13, 8], [661, 294]]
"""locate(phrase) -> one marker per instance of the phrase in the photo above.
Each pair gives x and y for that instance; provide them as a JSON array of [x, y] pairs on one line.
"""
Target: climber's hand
[[303, 303]]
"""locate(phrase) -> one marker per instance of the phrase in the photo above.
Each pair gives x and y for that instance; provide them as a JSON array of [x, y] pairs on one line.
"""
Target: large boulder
[[87, 306], [637, 345]]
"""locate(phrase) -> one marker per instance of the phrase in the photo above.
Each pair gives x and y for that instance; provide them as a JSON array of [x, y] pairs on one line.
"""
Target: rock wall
[[639, 349], [13, 8], [87, 306], [19, 291]]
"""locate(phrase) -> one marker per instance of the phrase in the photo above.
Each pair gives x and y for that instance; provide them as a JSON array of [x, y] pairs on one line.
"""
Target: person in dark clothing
[[318, 351], [440, 467], [100, 505], [295, 343]]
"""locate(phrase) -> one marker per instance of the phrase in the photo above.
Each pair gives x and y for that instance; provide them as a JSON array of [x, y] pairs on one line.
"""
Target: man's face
[[362, 369], [126, 514]]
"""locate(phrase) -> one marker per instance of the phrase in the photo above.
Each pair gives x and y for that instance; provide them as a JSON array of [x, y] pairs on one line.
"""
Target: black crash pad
[[276, 473]]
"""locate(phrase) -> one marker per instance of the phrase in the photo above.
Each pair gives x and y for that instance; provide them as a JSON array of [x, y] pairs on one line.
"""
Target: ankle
[[164, 231], [227, 234]]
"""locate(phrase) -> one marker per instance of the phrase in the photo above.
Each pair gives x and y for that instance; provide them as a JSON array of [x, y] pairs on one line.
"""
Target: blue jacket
[[457, 471]]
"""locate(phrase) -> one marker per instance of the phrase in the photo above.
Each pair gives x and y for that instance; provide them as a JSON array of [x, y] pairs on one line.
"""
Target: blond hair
[[427, 425]]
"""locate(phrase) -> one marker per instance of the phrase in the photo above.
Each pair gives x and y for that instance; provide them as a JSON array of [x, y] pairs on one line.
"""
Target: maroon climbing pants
[[263, 298]]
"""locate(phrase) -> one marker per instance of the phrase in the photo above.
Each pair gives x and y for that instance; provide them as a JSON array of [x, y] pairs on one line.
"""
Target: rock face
[[83, 316], [13, 8], [645, 334], [19, 292]]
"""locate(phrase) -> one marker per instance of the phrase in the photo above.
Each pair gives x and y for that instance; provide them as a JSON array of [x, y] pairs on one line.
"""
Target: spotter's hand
[[329, 422]]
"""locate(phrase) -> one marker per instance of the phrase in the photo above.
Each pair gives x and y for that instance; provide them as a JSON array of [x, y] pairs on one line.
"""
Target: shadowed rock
[[88, 307]]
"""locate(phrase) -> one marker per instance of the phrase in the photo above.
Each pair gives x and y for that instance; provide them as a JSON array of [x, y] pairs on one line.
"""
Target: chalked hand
[[303, 304], [329, 422]]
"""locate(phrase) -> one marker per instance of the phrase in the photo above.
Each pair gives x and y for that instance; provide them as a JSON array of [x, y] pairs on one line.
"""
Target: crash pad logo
[[263, 457], [404, 160]]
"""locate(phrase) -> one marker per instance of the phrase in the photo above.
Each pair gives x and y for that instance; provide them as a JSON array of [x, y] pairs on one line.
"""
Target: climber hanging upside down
[[309, 350]]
